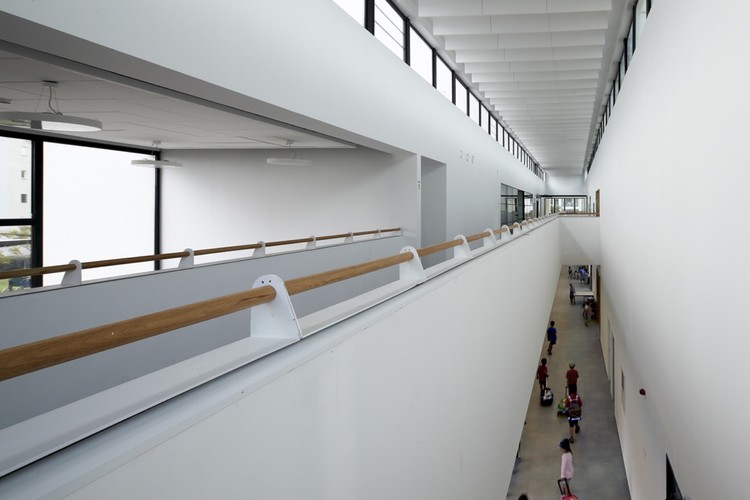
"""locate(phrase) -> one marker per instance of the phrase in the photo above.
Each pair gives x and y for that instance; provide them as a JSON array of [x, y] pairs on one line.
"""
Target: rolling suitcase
[[547, 397], [565, 492]]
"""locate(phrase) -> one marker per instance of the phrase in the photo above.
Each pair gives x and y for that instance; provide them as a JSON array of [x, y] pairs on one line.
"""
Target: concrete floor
[[597, 457]]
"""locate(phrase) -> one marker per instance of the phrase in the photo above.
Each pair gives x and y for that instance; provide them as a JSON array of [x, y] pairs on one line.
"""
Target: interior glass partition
[[565, 204]]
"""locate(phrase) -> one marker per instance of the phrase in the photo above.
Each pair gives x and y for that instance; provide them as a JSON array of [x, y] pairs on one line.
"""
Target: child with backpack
[[574, 404]]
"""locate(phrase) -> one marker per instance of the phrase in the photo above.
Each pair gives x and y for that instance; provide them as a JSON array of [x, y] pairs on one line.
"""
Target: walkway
[[599, 469]]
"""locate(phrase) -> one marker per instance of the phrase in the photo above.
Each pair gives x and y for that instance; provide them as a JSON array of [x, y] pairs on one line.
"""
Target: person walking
[[541, 375], [571, 378], [566, 462], [574, 405], [551, 337], [586, 313], [572, 294]]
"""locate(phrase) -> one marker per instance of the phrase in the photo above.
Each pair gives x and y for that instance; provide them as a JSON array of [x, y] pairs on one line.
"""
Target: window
[[15, 253], [389, 27], [473, 108], [96, 206], [493, 128], [420, 56], [444, 79], [631, 44], [484, 119], [14, 163], [461, 96]]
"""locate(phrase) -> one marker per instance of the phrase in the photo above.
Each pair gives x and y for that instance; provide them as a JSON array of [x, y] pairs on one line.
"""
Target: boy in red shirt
[[541, 375]]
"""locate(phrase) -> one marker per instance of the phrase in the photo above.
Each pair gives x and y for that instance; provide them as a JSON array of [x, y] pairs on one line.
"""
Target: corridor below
[[599, 468]]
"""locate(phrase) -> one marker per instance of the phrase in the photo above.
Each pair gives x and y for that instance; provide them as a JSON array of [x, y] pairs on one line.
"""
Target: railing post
[[261, 250], [489, 240], [72, 278], [462, 251], [349, 238], [275, 319], [188, 260], [379, 234], [413, 269], [505, 235], [312, 244]]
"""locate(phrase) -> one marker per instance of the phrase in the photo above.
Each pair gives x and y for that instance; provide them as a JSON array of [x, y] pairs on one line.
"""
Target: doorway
[[433, 188]]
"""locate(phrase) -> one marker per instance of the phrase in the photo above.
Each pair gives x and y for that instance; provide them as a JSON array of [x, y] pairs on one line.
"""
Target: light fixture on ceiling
[[52, 119], [153, 163], [287, 160]]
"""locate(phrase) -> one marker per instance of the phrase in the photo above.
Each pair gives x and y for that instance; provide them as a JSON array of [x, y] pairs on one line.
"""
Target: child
[[551, 336], [541, 375]]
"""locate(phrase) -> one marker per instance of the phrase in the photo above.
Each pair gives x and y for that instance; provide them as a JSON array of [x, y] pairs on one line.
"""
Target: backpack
[[574, 407]]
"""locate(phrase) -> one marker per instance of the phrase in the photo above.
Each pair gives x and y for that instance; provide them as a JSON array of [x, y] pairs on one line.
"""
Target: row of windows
[[641, 9], [394, 30]]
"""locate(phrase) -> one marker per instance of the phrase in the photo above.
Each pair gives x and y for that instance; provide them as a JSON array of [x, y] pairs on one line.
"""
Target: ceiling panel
[[537, 63], [134, 116]]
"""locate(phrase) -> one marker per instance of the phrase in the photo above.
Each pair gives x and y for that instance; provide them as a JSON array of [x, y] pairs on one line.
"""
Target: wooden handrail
[[27, 358], [501, 230], [438, 247], [478, 236], [38, 271], [289, 242], [34, 356], [334, 236], [132, 260], [299, 285], [234, 248]]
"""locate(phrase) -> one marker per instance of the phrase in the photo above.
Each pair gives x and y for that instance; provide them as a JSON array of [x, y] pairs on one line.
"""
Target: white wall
[[580, 240], [672, 175], [406, 400], [565, 185], [235, 197]]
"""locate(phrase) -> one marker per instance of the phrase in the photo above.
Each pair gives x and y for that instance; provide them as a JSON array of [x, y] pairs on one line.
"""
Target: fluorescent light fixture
[[52, 119], [152, 163], [156, 163], [289, 161], [49, 121]]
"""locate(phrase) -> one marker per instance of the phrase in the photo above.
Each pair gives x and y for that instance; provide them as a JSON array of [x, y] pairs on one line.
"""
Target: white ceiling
[[542, 65], [138, 117]]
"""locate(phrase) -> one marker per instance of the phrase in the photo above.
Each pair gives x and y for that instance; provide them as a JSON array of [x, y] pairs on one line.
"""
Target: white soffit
[[538, 64]]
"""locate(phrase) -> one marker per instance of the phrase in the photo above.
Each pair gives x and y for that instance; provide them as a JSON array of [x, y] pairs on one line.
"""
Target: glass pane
[[461, 96], [15, 253], [580, 205], [444, 79], [355, 8], [96, 206], [15, 178], [420, 56], [484, 119], [493, 127], [473, 108], [630, 44], [640, 20], [389, 27]]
